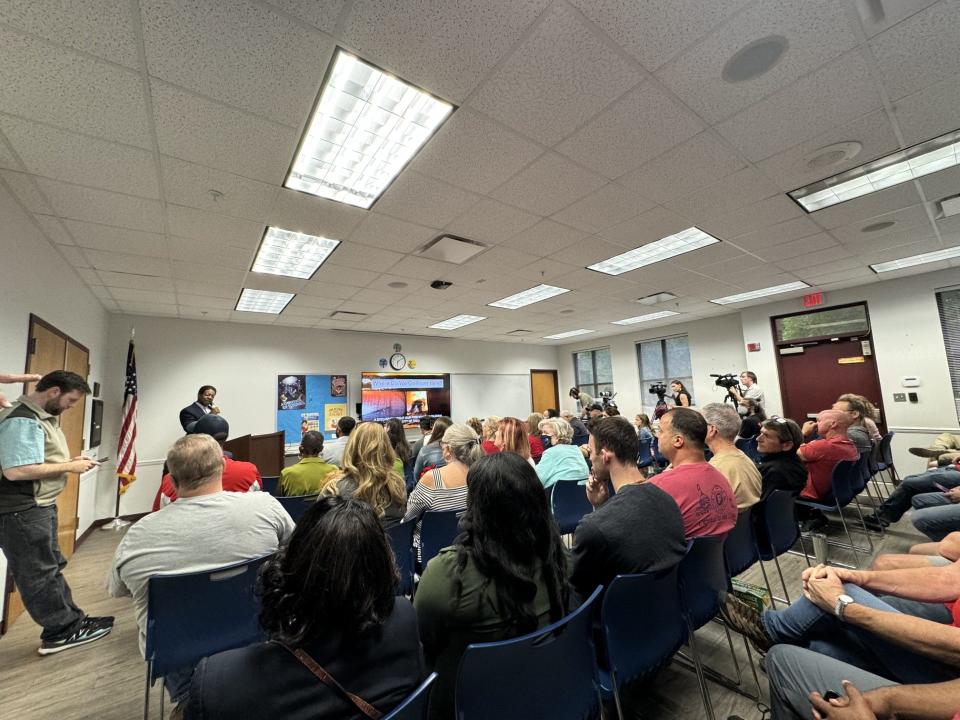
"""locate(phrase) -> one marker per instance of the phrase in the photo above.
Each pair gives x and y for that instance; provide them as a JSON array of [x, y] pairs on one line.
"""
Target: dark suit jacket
[[190, 414]]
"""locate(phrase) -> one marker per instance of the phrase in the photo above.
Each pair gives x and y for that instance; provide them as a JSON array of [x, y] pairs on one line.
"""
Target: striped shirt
[[433, 497]]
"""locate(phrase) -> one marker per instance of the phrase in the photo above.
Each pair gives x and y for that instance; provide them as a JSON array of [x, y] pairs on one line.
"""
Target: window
[[593, 371], [663, 361], [948, 303], [846, 321]]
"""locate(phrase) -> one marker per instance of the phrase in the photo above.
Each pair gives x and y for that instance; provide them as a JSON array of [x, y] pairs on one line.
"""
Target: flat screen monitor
[[406, 396]]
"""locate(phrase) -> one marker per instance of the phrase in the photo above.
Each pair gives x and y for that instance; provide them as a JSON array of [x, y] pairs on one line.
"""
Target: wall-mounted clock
[[398, 361]]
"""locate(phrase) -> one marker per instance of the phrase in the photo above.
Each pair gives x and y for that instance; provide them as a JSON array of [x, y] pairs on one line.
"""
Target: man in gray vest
[[35, 461]]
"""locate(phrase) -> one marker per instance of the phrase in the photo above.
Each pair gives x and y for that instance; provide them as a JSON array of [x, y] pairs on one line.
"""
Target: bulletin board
[[309, 402]]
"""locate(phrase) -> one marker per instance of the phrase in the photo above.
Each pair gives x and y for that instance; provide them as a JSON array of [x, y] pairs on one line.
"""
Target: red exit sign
[[813, 299]]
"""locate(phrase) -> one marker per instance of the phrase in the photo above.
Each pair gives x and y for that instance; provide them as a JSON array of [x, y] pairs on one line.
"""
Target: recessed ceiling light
[[292, 254], [397, 284], [901, 166], [754, 59], [528, 297], [569, 333], [762, 292], [263, 301], [644, 318], [457, 322], [878, 226], [677, 244], [921, 259], [834, 154], [366, 127]]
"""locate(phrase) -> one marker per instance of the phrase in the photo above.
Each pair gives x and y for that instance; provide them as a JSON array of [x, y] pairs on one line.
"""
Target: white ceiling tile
[[89, 276], [900, 251], [382, 284], [920, 51], [190, 288], [239, 53], [777, 234], [656, 30], [707, 256], [816, 31], [421, 199], [496, 260], [889, 15], [912, 220], [204, 313], [852, 211], [59, 86], [317, 216], [639, 126], [322, 15], [26, 191], [688, 167], [474, 153], [206, 273], [545, 238], [74, 255], [352, 276], [199, 251], [328, 290], [126, 263], [152, 309], [205, 301], [274, 283], [743, 187], [928, 113], [390, 233], [356, 304], [543, 269], [206, 132], [751, 218], [610, 205], [796, 248], [7, 159], [942, 184], [115, 239], [144, 296], [422, 268], [835, 256], [350, 254], [550, 184], [863, 275], [491, 222], [82, 203], [304, 304], [54, 230], [379, 296], [557, 78], [185, 183], [188, 222], [160, 283]]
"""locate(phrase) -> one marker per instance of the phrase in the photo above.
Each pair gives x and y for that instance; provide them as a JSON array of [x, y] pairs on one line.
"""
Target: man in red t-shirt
[[700, 490], [821, 455]]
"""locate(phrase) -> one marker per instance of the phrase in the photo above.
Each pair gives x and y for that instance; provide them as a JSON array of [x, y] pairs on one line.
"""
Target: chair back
[[270, 484], [862, 474], [193, 615], [401, 540], [886, 451], [642, 624], [661, 460], [740, 547], [779, 519], [416, 704], [748, 446], [569, 502], [645, 456], [703, 577], [296, 506], [438, 530], [549, 673], [873, 462]]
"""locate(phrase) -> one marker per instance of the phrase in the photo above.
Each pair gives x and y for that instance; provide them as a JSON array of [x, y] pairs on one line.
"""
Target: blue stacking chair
[[193, 615], [416, 704], [568, 499], [748, 446], [885, 463], [438, 531], [296, 506], [642, 628], [847, 481], [549, 673], [270, 484], [645, 457], [401, 540], [740, 547], [776, 516]]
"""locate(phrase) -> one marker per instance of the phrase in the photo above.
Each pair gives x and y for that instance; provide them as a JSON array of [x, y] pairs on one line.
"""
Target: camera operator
[[681, 396], [751, 390], [660, 390], [584, 400]]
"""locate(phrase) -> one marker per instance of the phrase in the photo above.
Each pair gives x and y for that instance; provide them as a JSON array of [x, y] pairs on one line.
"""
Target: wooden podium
[[264, 451]]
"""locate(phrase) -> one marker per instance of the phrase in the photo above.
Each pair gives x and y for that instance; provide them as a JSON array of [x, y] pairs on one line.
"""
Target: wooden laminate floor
[[104, 680]]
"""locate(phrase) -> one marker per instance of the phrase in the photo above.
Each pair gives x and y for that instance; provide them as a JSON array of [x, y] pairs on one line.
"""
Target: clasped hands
[[823, 584]]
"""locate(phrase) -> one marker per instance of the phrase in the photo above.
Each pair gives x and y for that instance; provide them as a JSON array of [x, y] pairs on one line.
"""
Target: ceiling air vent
[[451, 249], [346, 315], [656, 298], [519, 332]]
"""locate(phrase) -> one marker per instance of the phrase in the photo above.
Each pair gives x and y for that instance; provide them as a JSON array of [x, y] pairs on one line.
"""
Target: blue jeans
[[893, 508], [177, 684], [935, 516], [806, 625]]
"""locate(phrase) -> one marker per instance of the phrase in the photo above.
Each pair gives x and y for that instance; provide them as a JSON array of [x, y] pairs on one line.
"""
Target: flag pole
[[117, 523]]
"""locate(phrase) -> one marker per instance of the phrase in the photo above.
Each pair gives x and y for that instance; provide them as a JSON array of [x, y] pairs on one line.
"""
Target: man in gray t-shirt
[[204, 529]]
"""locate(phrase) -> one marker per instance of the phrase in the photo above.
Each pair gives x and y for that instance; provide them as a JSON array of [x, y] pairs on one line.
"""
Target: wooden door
[[544, 392]]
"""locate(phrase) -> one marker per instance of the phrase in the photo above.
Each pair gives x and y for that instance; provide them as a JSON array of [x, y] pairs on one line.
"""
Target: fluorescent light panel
[[921, 259], [366, 127], [528, 297], [292, 254], [672, 245], [910, 164], [762, 292], [569, 333], [644, 318], [263, 301], [457, 322]]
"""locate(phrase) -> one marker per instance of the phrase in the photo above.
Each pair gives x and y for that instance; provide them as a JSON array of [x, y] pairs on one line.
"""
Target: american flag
[[127, 449]]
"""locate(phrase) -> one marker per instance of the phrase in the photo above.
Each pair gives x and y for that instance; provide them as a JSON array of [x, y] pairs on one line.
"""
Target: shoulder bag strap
[[327, 679]]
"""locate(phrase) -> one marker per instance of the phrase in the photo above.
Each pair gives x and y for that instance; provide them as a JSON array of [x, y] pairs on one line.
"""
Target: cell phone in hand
[[940, 487]]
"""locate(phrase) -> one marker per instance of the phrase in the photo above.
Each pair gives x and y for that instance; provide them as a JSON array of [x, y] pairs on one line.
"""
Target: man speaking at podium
[[203, 406]]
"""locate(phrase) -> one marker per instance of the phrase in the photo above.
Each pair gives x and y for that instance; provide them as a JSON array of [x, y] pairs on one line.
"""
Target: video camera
[[606, 399], [658, 389], [727, 381]]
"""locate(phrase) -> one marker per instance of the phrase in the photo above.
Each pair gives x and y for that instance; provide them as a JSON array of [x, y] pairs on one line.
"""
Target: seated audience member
[[937, 514], [595, 411], [512, 437], [401, 448], [681, 396], [611, 410], [431, 455], [369, 474], [644, 428], [205, 529], [354, 628], [532, 427], [490, 426], [580, 433], [703, 494], [898, 624], [780, 468], [476, 424], [561, 461], [723, 423], [445, 488], [858, 411], [426, 427], [925, 554], [900, 500], [333, 449], [639, 529], [820, 456], [505, 575], [753, 418], [550, 413], [945, 449], [238, 476], [870, 415], [308, 476]]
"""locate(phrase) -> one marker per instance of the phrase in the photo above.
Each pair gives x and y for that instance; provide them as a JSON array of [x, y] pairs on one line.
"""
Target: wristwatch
[[842, 602]]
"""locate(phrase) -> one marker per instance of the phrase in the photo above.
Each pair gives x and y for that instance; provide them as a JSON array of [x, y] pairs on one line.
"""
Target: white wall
[[175, 357]]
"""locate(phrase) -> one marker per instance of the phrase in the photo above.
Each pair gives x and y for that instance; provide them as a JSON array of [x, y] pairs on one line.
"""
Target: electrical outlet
[[899, 397]]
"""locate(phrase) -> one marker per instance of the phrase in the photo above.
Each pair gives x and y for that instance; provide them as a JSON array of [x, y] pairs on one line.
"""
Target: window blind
[[948, 304]]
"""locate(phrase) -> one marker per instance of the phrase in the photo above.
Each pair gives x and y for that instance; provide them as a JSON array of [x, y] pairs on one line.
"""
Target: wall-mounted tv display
[[406, 396]]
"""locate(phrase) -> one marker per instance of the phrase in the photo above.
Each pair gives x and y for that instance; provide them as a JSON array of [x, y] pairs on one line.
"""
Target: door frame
[[556, 387]]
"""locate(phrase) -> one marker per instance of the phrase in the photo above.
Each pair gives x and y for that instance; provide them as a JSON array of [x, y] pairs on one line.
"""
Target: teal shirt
[[562, 462]]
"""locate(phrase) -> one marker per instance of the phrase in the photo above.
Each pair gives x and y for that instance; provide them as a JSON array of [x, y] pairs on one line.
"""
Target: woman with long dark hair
[[402, 449], [681, 396], [431, 455], [505, 575], [353, 628]]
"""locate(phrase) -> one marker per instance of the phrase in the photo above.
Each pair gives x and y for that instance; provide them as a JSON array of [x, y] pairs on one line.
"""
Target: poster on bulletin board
[[309, 402]]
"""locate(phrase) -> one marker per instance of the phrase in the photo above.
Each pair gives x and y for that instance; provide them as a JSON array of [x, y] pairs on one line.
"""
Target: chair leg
[[146, 692], [766, 581], [753, 667], [736, 663], [163, 692], [616, 696], [856, 504], [853, 547], [704, 691], [776, 562]]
